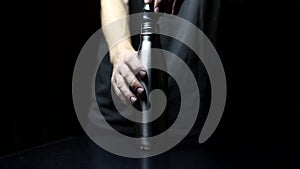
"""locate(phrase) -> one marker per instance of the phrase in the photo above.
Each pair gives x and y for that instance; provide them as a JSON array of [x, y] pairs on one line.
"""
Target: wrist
[[119, 52]]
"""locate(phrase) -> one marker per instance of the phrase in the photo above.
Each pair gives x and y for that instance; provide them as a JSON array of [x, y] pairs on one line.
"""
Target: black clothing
[[203, 14]]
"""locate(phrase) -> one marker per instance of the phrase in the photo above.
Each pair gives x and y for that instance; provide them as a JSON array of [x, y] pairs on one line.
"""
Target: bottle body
[[150, 56]]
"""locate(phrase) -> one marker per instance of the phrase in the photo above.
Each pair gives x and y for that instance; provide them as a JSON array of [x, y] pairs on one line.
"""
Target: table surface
[[81, 153]]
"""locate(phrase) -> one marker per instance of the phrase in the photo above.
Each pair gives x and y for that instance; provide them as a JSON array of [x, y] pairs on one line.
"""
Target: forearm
[[111, 11]]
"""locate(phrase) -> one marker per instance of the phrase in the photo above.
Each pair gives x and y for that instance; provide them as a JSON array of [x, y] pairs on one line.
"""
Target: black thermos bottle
[[155, 79]]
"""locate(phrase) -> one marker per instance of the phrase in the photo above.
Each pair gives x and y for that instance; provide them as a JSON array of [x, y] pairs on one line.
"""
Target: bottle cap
[[150, 20]]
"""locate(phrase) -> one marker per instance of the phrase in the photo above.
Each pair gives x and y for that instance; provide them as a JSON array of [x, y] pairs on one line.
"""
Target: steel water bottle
[[149, 55]]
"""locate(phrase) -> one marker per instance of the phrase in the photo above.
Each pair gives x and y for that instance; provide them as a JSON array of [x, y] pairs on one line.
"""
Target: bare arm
[[122, 55], [111, 11]]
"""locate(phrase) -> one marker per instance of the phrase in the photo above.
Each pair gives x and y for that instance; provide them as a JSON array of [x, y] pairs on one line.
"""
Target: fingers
[[135, 65], [163, 6], [117, 90], [124, 89], [157, 5], [176, 6], [125, 78], [131, 79], [168, 6]]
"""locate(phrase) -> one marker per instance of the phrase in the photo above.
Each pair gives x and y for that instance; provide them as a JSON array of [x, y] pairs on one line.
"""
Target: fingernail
[[142, 73], [156, 9], [132, 99], [140, 90]]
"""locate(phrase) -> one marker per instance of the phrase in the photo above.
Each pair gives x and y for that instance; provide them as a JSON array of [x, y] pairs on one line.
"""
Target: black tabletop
[[81, 153]]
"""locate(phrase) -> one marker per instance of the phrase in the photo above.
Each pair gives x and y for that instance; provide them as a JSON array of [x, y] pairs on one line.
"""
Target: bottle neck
[[150, 19], [149, 27], [150, 41]]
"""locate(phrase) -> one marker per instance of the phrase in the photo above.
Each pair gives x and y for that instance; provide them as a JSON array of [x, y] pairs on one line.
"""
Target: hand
[[124, 79], [167, 6]]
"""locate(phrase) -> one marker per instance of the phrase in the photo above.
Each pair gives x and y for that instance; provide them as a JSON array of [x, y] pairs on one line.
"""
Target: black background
[[257, 44]]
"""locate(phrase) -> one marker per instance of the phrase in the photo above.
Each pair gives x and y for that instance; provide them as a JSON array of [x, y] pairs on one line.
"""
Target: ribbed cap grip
[[150, 19]]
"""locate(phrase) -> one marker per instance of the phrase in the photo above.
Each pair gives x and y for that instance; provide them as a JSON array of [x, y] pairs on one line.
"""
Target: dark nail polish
[[142, 73], [132, 99], [140, 90]]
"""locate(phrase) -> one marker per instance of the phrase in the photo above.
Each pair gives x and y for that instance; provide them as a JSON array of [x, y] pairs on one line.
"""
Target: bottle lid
[[150, 20]]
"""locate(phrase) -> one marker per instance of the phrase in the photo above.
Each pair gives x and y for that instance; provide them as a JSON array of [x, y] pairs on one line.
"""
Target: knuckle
[[118, 93], [124, 74], [124, 89], [127, 59], [119, 84], [136, 71], [134, 82], [128, 95], [138, 67], [141, 67]]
